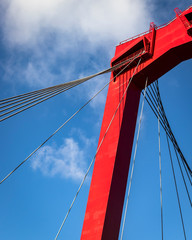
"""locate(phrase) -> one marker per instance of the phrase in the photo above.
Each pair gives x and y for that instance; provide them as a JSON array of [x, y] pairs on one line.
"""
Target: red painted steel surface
[[103, 194], [165, 47]]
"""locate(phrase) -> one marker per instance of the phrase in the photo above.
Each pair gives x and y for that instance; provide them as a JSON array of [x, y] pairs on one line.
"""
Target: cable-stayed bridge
[[135, 69]]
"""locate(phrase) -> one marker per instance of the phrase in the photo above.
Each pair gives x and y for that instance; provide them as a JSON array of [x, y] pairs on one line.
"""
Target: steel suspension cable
[[72, 116], [183, 177], [172, 136], [48, 93], [155, 101], [175, 145], [161, 198], [161, 115], [135, 152], [165, 124], [97, 150], [155, 111], [35, 95], [186, 170], [155, 108], [39, 96], [14, 98], [156, 114], [176, 188], [33, 103]]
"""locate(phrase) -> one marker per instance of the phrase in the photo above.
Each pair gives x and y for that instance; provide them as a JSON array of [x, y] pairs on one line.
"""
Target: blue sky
[[43, 43]]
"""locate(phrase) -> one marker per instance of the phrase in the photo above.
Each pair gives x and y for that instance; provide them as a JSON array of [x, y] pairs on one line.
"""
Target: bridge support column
[[108, 185], [161, 49]]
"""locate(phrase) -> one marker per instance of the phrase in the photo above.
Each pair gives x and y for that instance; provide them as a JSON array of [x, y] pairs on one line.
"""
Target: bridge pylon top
[[161, 48]]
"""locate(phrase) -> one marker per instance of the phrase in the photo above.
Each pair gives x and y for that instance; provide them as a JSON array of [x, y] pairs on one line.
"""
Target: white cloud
[[26, 22], [67, 161], [49, 32], [34, 74]]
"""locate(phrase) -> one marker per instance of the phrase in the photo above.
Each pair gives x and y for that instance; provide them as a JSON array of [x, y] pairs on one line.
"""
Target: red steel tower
[[160, 49]]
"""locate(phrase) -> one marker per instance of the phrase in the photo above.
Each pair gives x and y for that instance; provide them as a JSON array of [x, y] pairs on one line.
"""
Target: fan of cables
[[17, 104], [9, 107], [154, 100]]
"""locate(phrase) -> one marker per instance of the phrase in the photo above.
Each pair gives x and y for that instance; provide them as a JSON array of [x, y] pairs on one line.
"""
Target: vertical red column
[[161, 50], [108, 185]]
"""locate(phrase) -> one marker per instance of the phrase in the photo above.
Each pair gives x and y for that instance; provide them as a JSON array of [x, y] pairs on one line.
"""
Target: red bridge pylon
[[160, 49]]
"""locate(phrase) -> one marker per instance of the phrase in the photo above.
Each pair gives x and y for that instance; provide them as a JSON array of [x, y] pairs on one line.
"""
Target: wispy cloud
[[54, 41], [93, 20], [68, 161]]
